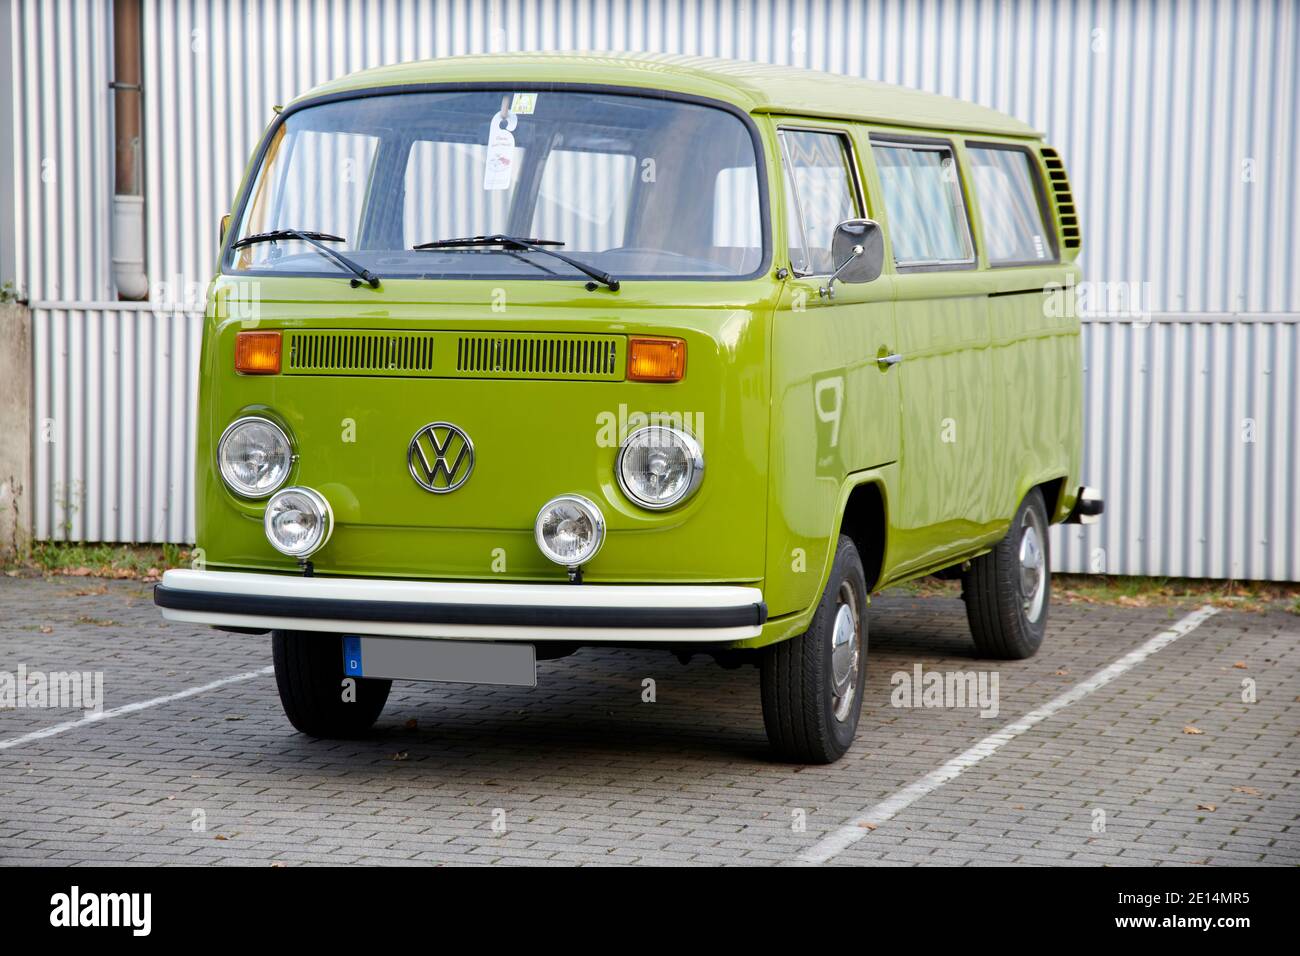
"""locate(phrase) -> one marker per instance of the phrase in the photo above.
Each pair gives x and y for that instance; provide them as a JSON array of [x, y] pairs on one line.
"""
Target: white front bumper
[[587, 613]]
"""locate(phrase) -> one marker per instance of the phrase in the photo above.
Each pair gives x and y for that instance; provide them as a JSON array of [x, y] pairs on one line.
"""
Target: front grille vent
[[346, 352], [448, 354], [529, 355]]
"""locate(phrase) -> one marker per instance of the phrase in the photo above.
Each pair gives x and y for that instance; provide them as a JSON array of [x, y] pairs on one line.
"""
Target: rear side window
[[309, 157], [435, 168], [736, 222], [1011, 209], [820, 194], [584, 199], [924, 203]]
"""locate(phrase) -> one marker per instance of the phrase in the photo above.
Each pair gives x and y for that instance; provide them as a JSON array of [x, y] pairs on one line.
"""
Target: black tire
[[806, 720], [309, 673], [1008, 615]]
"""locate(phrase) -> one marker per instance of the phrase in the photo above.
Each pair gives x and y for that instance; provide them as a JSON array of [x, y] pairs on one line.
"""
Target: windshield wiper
[[532, 245], [317, 241]]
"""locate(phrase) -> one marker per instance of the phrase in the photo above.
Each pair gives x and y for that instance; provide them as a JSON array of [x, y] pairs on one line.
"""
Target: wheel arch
[[863, 517], [1053, 490]]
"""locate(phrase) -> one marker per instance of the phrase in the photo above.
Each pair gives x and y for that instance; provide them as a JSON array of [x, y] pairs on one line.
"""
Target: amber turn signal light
[[257, 353], [656, 360]]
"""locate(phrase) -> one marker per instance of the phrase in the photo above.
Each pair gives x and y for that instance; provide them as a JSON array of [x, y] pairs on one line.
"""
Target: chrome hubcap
[[1033, 571], [846, 653]]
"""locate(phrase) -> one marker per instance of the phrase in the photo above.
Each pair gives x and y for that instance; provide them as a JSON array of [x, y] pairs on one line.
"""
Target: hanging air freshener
[[499, 166]]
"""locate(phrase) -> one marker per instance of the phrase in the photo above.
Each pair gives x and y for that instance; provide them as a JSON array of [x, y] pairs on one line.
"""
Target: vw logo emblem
[[440, 457]]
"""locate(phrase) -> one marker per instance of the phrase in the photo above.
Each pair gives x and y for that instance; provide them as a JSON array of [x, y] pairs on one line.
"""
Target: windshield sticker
[[499, 166], [523, 104]]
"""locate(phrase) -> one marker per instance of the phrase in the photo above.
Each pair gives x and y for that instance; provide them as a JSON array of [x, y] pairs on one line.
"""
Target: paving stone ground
[[582, 771]]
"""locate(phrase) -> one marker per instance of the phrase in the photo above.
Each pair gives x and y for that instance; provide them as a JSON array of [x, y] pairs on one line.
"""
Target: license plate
[[456, 662]]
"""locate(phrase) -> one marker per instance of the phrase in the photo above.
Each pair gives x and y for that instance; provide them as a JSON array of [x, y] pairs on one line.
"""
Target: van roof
[[754, 87]]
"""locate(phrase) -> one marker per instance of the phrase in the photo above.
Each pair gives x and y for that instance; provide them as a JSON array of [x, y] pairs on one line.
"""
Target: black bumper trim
[[409, 612], [1085, 508]]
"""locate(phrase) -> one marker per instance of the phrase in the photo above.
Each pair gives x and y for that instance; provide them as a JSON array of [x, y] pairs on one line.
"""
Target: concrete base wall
[[15, 430]]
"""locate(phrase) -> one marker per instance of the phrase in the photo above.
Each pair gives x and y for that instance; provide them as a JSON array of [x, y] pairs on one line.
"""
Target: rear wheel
[[309, 673], [1007, 591], [812, 684]]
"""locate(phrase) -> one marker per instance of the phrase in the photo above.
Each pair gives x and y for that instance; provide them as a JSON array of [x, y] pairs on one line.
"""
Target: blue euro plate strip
[[352, 656]]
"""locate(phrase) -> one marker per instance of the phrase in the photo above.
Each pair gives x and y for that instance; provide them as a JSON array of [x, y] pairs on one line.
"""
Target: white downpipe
[[128, 247]]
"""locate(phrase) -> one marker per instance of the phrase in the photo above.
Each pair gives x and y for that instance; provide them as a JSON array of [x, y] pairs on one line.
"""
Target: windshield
[[638, 187]]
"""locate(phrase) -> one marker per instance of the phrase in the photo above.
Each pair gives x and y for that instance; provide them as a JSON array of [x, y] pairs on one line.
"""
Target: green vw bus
[[511, 355]]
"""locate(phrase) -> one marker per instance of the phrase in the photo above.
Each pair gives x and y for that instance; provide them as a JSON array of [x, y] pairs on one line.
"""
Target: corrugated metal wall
[[1189, 429], [114, 409], [1178, 122], [63, 147]]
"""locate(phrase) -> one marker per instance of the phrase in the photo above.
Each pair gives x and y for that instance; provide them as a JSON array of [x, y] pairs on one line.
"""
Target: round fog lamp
[[298, 521], [570, 530], [659, 467], [254, 456]]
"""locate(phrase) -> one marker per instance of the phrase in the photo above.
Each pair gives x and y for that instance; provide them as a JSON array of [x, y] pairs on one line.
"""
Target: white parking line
[[853, 831], [132, 708]]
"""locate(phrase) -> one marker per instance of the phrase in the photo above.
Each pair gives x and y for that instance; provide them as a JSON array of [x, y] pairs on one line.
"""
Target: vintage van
[[510, 355]]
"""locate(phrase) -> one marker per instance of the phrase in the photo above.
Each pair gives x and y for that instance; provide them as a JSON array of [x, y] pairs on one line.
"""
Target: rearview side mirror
[[858, 251]]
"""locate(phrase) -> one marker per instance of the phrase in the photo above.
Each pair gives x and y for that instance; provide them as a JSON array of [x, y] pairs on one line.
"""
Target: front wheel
[[812, 684], [309, 673], [1007, 591]]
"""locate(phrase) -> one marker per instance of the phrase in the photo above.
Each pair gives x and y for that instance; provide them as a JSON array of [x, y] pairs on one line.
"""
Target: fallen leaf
[[1240, 665], [412, 724], [1018, 806], [867, 826], [221, 836], [401, 755], [276, 864], [1063, 672], [234, 717], [46, 629], [1189, 729], [1206, 806], [1250, 790]]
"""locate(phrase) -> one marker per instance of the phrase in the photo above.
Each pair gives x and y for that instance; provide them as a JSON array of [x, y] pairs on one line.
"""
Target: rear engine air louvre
[[1064, 198]]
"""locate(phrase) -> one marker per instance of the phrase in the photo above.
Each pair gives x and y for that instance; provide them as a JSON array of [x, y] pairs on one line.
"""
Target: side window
[[325, 183], [735, 214], [584, 198], [436, 169], [923, 200], [1010, 209], [820, 194]]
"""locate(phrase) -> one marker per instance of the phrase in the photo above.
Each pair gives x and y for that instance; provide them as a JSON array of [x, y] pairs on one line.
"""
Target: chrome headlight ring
[[225, 467], [550, 525], [682, 443], [305, 501]]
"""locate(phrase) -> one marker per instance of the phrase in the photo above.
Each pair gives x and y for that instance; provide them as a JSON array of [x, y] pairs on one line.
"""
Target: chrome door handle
[[887, 360]]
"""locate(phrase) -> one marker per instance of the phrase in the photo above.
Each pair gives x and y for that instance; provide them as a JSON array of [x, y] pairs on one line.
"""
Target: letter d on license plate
[[457, 662]]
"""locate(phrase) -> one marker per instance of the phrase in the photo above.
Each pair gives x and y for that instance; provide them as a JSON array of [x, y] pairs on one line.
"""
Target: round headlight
[[254, 456], [298, 521], [570, 530], [659, 467]]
